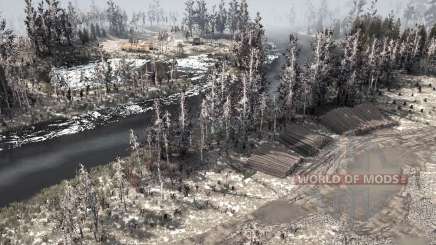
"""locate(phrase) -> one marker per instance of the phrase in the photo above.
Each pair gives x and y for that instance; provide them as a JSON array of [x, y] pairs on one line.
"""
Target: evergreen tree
[[158, 126], [88, 193], [204, 121], [184, 126], [189, 15], [120, 181], [134, 148], [227, 115], [7, 52], [117, 19], [221, 19], [321, 67], [244, 16], [233, 16], [67, 212], [289, 80], [201, 16], [348, 84], [49, 27], [430, 14]]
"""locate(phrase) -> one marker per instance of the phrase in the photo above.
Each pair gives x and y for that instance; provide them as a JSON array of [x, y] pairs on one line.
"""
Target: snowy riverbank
[[197, 66]]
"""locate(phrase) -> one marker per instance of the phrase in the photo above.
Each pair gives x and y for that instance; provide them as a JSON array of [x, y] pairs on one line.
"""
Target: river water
[[26, 170]]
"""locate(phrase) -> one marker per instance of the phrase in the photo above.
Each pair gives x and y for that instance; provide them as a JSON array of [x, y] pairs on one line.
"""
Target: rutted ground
[[361, 214]]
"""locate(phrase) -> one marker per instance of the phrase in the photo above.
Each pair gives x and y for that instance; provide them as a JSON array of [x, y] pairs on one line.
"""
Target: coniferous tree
[[7, 52], [48, 26], [244, 16], [67, 212], [233, 16], [204, 118], [221, 18], [88, 193], [166, 135], [189, 15], [430, 14], [262, 109], [201, 16], [158, 125], [351, 64], [289, 80], [134, 147], [321, 67], [185, 131], [120, 181], [117, 19], [227, 115], [244, 106]]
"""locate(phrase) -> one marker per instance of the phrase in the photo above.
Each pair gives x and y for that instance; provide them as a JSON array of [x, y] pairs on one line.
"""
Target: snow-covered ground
[[93, 119], [79, 77], [215, 198], [198, 63]]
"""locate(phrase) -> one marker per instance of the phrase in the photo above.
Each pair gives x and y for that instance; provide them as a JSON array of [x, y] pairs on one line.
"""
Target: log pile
[[276, 163], [358, 120], [303, 140]]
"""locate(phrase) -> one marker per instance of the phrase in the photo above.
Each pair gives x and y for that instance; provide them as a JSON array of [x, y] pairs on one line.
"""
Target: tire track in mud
[[420, 141]]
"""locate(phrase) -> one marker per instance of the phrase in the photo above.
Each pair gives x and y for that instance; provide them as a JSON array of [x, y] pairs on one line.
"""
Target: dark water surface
[[26, 170]]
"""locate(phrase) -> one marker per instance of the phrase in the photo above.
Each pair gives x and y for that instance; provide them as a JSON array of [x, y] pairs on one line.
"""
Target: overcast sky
[[274, 12]]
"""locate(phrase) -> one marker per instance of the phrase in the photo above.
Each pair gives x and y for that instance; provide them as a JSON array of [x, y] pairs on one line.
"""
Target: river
[[26, 170]]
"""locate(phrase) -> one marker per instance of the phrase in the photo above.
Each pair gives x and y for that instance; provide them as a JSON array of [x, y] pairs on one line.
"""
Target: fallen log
[[272, 162], [358, 120], [302, 140]]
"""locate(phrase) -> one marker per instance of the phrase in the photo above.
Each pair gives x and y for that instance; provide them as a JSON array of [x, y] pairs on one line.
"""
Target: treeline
[[14, 93], [323, 16], [352, 70], [52, 28], [232, 17]]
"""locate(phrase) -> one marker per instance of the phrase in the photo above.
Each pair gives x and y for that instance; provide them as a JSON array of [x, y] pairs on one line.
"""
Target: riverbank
[[217, 194], [79, 92]]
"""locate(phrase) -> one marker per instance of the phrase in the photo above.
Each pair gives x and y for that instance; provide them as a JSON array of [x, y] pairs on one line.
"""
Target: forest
[[72, 63]]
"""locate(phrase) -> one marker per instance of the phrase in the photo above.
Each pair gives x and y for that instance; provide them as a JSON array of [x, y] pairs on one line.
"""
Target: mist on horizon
[[278, 14]]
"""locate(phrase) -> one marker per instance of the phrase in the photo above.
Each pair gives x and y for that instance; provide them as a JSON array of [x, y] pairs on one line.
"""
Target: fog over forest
[[275, 13]]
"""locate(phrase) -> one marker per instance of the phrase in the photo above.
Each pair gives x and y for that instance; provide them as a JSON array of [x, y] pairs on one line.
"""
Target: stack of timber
[[273, 162], [358, 120], [303, 140]]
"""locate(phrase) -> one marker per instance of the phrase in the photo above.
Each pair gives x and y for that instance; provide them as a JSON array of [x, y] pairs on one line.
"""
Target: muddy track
[[387, 221]]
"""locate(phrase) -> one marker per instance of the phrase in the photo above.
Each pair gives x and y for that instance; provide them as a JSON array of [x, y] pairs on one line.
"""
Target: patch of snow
[[72, 76], [134, 109], [68, 131], [199, 62], [95, 114], [271, 58]]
